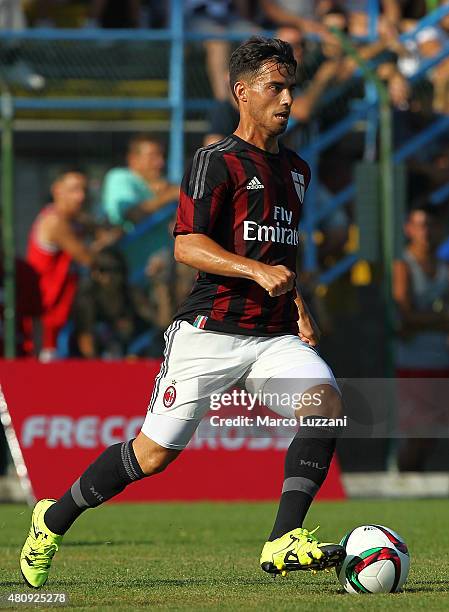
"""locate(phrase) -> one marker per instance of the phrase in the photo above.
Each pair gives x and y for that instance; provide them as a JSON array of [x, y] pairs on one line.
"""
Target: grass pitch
[[204, 556]]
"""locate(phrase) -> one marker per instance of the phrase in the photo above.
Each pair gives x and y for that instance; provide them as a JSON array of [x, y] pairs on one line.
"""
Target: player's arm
[[308, 329], [205, 190], [204, 254], [411, 319]]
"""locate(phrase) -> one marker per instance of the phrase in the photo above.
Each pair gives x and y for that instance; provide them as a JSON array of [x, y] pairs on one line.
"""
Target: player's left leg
[[308, 458], [287, 365]]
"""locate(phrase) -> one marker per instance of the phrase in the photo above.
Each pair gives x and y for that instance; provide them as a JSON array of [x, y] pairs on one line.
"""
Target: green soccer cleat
[[39, 548], [299, 550]]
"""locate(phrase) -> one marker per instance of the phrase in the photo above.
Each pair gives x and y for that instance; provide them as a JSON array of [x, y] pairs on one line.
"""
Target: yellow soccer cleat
[[39, 548], [299, 550]]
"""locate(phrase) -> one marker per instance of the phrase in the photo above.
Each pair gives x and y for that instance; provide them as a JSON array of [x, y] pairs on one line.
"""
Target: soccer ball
[[377, 560]]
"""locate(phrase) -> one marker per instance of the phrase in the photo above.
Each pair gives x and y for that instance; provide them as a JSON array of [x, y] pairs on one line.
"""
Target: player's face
[[148, 159], [269, 97], [71, 191]]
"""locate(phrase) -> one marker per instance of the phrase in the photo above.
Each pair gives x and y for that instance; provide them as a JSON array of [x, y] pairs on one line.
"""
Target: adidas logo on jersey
[[255, 184]]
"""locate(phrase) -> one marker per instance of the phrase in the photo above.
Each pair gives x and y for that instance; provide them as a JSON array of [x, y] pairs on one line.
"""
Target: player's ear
[[240, 91]]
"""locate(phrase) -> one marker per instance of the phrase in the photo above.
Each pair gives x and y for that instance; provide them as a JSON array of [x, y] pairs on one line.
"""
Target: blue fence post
[[176, 92], [370, 90], [373, 19]]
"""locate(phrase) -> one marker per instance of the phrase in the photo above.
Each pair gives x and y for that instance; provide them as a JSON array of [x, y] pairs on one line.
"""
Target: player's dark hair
[[137, 140], [248, 59]]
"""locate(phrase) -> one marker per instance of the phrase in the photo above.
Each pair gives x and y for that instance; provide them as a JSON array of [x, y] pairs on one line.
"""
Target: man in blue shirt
[[130, 194]]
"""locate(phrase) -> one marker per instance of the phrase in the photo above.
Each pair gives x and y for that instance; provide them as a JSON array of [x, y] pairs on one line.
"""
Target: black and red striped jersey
[[248, 201]]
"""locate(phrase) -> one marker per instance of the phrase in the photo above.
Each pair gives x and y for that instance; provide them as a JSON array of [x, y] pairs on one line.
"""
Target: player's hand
[[277, 280], [308, 330]]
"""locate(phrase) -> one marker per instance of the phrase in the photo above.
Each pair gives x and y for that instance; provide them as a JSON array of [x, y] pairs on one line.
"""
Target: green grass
[[205, 557]]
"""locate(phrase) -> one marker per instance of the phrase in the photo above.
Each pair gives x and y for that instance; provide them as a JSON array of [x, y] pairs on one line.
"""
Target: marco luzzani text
[[249, 401]]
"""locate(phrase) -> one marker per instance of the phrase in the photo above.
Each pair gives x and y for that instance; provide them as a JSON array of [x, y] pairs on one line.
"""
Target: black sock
[[107, 476], [306, 465]]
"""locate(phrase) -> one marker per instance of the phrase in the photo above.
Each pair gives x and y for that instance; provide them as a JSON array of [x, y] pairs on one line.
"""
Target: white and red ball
[[377, 560]]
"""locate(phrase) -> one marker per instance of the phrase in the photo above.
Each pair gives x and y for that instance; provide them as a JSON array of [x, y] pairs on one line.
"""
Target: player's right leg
[[116, 468], [176, 407]]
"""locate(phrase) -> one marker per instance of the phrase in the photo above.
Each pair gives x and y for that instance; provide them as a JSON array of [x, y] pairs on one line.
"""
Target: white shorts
[[198, 363]]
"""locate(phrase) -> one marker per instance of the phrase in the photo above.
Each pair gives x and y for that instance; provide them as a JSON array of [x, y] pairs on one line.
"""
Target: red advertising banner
[[65, 413]]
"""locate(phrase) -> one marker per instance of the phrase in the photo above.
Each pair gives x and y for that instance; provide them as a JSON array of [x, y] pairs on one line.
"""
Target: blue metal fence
[[174, 103]]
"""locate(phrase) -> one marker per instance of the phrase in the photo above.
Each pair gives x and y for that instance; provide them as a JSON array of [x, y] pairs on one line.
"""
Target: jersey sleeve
[[204, 189]]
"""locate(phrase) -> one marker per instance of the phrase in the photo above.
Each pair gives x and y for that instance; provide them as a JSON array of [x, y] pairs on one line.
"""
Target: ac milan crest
[[169, 396]]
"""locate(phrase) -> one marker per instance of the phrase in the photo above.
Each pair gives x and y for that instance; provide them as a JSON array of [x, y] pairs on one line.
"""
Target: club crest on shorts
[[169, 396], [299, 183]]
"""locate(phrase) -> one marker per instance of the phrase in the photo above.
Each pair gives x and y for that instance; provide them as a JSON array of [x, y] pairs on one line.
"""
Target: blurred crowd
[[303, 15], [74, 296], [306, 24]]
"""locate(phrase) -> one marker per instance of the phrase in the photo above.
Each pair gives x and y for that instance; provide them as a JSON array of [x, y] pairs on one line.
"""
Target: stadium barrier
[[60, 416]]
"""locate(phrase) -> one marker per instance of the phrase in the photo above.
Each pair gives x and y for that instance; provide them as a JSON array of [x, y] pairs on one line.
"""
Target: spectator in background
[[12, 16], [115, 13], [440, 75], [48, 13], [16, 70], [421, 292], [108, 314], [133, 193], [336, 69], [54, 245], [425, 44], [217, 17], [170, 282], [223, 118], [402, 15], [300, 15]]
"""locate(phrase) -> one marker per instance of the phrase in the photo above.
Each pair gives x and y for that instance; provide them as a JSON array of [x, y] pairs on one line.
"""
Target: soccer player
[[237, 223]]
